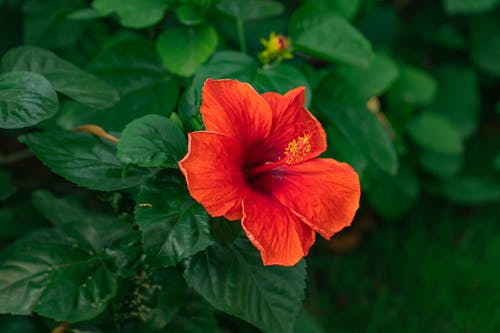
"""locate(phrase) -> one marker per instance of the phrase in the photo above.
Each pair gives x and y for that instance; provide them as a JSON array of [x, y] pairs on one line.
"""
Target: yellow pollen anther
[[298, 148]]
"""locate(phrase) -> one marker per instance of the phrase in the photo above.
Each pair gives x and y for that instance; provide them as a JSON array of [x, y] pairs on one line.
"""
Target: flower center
[[298, 148], [294, 152]]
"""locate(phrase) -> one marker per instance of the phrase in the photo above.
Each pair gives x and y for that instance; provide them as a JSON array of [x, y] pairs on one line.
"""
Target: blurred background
[[423, 254]]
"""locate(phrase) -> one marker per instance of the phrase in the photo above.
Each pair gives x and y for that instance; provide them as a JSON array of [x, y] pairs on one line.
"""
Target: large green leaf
[[485, 45], [329, 36], [468, 6], [133, 13], [250, 10], [173, 226], [131, 65], [96, 231], [65, 77], [84, 160], [184, 49], [233, 279], [434, 132], [152, 141], [25, 99], [358, 125], [71, 260]]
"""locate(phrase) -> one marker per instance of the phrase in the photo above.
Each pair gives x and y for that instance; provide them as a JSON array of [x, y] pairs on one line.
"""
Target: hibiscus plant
[[194, 166]]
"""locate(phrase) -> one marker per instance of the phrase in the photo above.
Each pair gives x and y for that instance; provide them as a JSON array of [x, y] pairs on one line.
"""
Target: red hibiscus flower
[[257, 162]]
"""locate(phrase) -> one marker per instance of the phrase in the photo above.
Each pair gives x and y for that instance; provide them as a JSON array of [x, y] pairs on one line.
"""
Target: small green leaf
[[65, 77], [84, 160], [25, 99], [468, 6], [173, 226], [329, 36], [434, 132], [152, 141], [184, 49], [250, 10], [233, 279], [133, 13]]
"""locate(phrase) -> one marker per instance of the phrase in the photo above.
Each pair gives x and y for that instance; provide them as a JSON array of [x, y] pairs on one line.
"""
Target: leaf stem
[[241, 35]]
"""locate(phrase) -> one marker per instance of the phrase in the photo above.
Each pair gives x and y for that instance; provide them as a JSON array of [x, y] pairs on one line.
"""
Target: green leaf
[[468, 6], [250, 10], [96, 231], [485, 45], [366, 82], [329, 36], [359, 126], [173, 226], [434, 132], [176, 308], [233, 279], [414, 86], [84, 160], [462, 109], [133, 13], [7, 188], [37, 269], [92, 229], [281, 79], [25, 99], [65, 77], [184, 49], [132, 66], [152, 141], [392, 196]]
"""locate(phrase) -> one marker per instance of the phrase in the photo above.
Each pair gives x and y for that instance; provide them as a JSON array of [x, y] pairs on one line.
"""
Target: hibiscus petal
[[213, 168], [280, 236], [292, 120], [235, 109], [324, 192]]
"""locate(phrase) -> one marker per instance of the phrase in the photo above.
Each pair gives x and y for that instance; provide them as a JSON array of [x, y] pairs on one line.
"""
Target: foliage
[[103, 237]]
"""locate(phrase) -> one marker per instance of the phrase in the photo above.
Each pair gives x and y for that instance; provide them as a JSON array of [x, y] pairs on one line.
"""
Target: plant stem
[[241, 35]]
